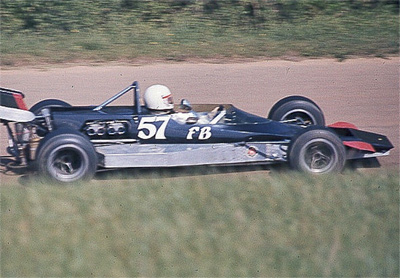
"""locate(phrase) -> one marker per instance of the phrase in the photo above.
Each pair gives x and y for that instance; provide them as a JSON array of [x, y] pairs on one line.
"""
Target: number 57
[[147, 129]]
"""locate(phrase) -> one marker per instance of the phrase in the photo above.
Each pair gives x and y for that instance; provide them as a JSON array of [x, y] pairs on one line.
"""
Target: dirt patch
[[364, 92]]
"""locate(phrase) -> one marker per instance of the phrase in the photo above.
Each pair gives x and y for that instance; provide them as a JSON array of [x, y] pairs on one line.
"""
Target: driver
[[158, 99]]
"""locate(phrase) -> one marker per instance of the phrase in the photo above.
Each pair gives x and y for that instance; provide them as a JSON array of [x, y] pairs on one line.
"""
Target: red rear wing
[[12, 99]]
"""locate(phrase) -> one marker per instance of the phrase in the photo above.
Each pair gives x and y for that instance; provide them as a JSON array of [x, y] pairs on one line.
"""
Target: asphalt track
[[364, 92]]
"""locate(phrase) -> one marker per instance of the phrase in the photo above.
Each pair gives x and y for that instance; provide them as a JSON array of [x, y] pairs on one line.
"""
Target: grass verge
[[219, 224]]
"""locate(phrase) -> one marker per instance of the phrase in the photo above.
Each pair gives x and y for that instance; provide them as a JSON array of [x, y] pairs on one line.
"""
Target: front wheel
[[66, 156], [317, 151]]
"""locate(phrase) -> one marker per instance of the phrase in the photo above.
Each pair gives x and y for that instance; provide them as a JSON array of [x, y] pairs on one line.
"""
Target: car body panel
[[172, 155], [236, 126]]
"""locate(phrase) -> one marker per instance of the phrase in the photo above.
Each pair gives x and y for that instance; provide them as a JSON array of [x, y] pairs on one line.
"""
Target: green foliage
[[126, 29], [42, 15], [178, 224]]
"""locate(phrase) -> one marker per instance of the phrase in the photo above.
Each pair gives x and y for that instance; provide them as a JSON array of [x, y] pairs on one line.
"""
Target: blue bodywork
[[144, 127], [235, 126]]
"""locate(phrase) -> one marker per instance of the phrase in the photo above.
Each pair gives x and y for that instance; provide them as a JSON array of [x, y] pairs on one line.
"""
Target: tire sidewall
[[67, 141], [288, 99], [47, 103], [301, 143], [291, 105]]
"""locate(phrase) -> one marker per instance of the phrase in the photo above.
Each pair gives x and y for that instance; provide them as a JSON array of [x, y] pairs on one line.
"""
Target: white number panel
[[147, 128]]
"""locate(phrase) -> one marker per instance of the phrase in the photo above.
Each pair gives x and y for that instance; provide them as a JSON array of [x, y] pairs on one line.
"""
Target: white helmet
[[158, 97]]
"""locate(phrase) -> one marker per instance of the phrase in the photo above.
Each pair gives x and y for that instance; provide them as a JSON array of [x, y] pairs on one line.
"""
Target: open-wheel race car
[[69, 143]]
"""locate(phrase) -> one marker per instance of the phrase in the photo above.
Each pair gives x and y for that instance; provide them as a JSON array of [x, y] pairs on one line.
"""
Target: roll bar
[[135, 87]]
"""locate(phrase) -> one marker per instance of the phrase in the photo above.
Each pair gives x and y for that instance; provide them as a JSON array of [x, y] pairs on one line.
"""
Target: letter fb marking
[[204, 133], [192, 131]]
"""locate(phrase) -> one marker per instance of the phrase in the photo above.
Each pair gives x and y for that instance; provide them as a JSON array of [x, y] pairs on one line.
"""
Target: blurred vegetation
[[167, 223], [56, 31]]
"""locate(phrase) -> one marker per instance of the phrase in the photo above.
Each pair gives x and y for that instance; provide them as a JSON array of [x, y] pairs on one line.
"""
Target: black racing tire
[[317, 151], [66, 156], [298, 110], [47, 103]]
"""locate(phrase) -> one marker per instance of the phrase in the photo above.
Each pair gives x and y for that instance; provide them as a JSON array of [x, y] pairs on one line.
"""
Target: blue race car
[[68, 143]]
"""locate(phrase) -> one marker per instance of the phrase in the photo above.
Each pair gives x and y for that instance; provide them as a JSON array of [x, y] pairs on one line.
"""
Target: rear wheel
[[297, 110], [66, 156], [47, 103], [317, 151]]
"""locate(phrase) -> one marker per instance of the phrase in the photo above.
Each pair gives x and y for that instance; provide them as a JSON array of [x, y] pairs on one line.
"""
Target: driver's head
[[158, 97]]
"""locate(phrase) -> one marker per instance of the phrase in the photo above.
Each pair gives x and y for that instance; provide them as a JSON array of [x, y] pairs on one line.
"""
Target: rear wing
[[13, 108], [12, 99]]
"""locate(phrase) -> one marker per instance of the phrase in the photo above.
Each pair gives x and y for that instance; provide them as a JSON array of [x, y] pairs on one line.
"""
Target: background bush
[[58, 31], [41, 16]]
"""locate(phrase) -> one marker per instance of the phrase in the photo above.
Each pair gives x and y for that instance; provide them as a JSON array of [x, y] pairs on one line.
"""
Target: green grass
[[178, 223], [190, 37]]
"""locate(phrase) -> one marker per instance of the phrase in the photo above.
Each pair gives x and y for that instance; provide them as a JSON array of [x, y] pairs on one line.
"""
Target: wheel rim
[[319, 156], [299, 116], [67, 163]]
